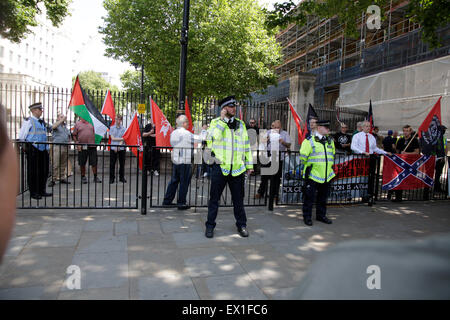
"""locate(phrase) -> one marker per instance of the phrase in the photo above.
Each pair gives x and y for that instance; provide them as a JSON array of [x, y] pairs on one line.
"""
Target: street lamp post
[[183, 58], [141, 99]]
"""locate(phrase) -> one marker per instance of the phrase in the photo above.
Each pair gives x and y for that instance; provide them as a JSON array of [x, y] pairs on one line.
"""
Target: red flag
[[188, 115], [408, 171], [436, 111], [163, 129], [430, 132], [370, 116], [297, 120], [132, 136], [108, 107]]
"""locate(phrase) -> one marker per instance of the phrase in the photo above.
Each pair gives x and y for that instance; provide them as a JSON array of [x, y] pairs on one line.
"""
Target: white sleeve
[[24, 130], [354, 146]]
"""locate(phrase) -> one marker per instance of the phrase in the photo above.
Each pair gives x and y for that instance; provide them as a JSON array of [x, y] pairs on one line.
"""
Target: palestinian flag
[[83, 107]]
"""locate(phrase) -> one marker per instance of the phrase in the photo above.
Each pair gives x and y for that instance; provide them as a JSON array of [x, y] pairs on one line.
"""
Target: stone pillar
[[301, 94]]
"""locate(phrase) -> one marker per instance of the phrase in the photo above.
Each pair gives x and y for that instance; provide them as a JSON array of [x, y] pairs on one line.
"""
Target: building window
[[26, 48], [34, 66], [26, 63], [19, 58], [10, 56], [1, 51], [34, 52], [1, 68]]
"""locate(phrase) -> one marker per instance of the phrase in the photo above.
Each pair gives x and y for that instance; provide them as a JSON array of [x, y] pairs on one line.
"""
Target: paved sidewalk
[[165, 255]]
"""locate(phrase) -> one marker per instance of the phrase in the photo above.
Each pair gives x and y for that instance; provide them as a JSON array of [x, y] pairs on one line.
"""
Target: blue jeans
[[181, 174], [218, 183]]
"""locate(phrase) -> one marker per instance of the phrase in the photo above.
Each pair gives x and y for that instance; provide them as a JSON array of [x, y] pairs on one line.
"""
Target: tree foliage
[[430, 14], [230, 51], [131, 82], [17, 16]]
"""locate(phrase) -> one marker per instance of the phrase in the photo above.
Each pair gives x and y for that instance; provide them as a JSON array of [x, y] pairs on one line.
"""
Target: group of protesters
[[228, 140]]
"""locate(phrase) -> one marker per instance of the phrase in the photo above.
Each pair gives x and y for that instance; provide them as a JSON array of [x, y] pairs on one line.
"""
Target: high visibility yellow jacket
[[319, 157], [230, 147]]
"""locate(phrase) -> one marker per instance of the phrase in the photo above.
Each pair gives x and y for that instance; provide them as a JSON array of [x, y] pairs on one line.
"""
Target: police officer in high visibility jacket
[[229, 145], [35, 130], [317, 155]]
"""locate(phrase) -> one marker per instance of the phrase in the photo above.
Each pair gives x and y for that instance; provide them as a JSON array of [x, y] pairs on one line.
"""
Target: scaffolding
[[322, 48]]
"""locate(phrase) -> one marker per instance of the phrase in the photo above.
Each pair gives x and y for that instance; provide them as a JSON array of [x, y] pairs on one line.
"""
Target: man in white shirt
[[277, 140], [365, 143], [182, 142]]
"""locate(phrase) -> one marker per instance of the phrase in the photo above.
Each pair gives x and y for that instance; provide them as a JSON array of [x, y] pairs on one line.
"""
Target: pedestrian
[[343, 140], [365, 143], [406, 144], [440, 162], [378, 137], [151, 153], [359, 127], [116, 132], [59, 151], [9, 184], [84, 135], [203, 168], [389, 142], [278, 143], [182, 141], [229, 144], [317, 156], [253, 136], [35, 130]]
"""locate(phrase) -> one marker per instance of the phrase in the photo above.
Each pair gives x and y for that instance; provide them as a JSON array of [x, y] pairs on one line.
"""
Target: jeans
[[218, 183], [181, 174]]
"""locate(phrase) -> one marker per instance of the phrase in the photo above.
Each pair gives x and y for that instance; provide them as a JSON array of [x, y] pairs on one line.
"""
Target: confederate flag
[[408, 172], [163, 129]]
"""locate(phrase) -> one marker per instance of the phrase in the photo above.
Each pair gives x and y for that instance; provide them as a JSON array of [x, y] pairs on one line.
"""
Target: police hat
[[228, 101], [323, 123], [35, 106]]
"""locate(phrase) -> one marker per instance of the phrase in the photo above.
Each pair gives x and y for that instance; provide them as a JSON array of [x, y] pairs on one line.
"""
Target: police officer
[[229, 144], [317, 156], [35, 130]]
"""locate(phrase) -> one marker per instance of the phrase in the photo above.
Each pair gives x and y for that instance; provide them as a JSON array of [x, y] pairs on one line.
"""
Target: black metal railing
[[199, 183], [69, 191]]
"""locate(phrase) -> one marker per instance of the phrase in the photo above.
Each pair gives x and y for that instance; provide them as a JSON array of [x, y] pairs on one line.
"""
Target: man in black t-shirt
[[343, 140], [389, 142], [406, 146], [151, 158]]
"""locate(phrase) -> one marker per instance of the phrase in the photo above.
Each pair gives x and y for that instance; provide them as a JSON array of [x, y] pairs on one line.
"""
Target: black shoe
[[324, 220], [308, 222], [84, 180], [168, 204], [51, 184], [397, 200], [97, 180], [123, 180], [36, 196], [184, 207], [209, 233], [46, 194], [111, 181], [64, 181], [243, 232]]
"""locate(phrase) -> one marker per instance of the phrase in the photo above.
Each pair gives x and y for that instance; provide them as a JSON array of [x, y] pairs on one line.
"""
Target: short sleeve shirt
[[84, 132], [402, 143], [61, 134]]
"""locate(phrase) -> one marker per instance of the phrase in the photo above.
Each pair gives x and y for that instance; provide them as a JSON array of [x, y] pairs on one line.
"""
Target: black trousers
[[112, 164], [275, 180], [309, 197], [37, 170], [372, 172], [151, 158], [218, 183]]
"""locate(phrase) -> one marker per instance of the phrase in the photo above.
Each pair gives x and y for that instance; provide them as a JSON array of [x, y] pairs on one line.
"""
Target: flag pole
[[415, 134], [183, 58]]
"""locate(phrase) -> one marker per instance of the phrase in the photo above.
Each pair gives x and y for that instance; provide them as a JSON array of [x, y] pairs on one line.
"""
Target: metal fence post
[[144, 184]]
